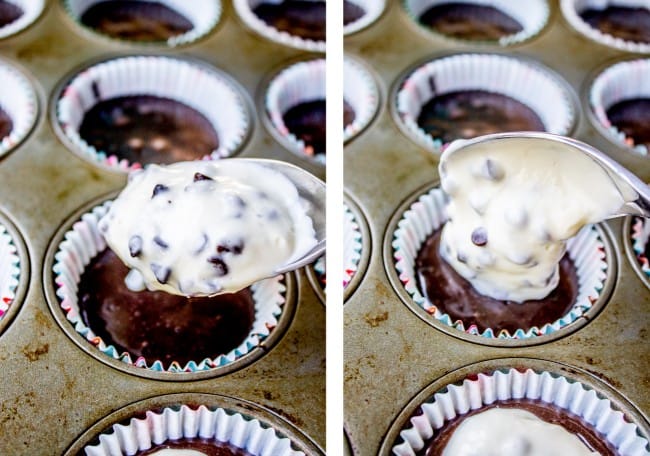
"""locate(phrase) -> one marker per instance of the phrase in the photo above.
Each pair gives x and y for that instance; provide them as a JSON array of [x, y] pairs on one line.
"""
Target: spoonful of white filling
[[514, 200]]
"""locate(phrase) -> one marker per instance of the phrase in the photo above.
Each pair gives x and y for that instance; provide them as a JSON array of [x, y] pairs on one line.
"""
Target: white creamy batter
[[201, 228], [512, 206], [512, 432]]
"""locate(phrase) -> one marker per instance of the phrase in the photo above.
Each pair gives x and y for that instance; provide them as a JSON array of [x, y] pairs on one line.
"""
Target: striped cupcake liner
[[32, 10], [10, 271], [639, 235], [373, 9], [361, 92], [19, 101]]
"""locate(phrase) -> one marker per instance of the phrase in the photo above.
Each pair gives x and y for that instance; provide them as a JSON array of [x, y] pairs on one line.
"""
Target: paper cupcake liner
[[532, 15], [487, 388], [18, 100], [191, 84], [203, 14], [244, 9], [299, 83], [32, 10], [531, 84], [84, 241], [640, 234], [619, 82], [427, 214], [373, 10], [158, 427], [361, 92], [571, 8], [9, 270]]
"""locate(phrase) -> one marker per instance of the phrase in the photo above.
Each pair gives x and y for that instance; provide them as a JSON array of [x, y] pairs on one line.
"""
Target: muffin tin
[[391, 353], [53, 391]]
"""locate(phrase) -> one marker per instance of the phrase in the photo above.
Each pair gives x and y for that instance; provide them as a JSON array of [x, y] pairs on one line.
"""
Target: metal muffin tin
[[391, 354], [52, 391]]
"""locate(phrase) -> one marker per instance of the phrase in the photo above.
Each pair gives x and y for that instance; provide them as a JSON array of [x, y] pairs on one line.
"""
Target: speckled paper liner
[[203, 14], [532, 15], [32, 10], [194, 84], [484, 388], [173, 423], [570, 9], [361, 92], [529, 83], [83, 241], [640, 232], [244, 9], [622, 81], [10, 270], [373, 9], [299, 83], [427, 214], [17, 99]]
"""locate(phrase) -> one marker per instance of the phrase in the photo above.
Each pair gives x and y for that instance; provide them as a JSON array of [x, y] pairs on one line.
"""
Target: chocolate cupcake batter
[[147, 129], [9, 12], [6, 124], [466, 114], [136, 20], [632, 117], [547, 412], [452, 294], [209, 447], [159, 325], [307, 122], [351, 12], [629, 24], [467, 21], [302, 18], [348, 114]]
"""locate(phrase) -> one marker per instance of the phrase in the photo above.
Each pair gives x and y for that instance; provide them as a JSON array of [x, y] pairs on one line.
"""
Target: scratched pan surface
[[390, 353], [51, 391]]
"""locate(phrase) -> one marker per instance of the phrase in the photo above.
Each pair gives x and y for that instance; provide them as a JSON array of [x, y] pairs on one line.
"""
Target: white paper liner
[[531, 84], [640, 234], [621, 81], [83, 241], [9, 270], [299, 83], [532, 15], [32, 9], [571, 8], [203, 14], [18, 100], [244, 9], [188, 83], [427, 214], [456, 400], [361, 92], [250, 434], [373, 9]]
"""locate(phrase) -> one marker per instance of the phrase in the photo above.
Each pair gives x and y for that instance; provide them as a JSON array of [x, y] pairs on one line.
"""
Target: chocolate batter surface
[[158, 325], [207, 446], [307, 122], [547, 412], [301, 18], [630, 24], [147, 129], [9, 12], [470, 22], [632, 117], [466, 114], [6, 124], [136, 20], [351, 12], [452, 294], [348, 114]]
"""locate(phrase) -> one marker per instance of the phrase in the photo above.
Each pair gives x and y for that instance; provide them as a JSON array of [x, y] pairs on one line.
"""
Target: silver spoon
[[633, 190]]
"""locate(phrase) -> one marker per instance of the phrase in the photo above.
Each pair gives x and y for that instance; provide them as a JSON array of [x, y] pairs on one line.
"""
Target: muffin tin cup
[[361, 92], [621, 81], [424, 213], [14, 272], [154, 421], [300, 82], [32, 10], [203, 14], [373, 9], [244, 9], [79, 240], [531, 15], [188, 81], [485, 383], [526, 81], [636, 232], [570, 9]]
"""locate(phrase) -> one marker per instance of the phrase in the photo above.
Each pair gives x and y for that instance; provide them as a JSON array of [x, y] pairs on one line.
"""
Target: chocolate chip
[[95, 88], [235, 247], [162, 273], [220, 266], [238, 201], [479, 236], [135, 246], [201, 177], [159, 188], [158, 240]]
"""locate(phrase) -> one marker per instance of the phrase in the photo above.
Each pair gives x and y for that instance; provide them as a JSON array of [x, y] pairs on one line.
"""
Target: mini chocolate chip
[[220, 266], [479, 236], [549, 279], [461, 257], [234, 247], [432, 84], [492, 170], [135, 246], [201, 177], [158, 240], [262, 195], [95, 88], [273, 214], [162, 273], [159, 188], [238, 201]]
